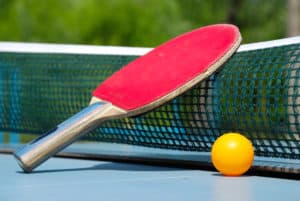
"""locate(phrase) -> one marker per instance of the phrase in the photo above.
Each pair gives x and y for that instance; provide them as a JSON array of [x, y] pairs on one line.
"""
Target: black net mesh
[[256, 93]]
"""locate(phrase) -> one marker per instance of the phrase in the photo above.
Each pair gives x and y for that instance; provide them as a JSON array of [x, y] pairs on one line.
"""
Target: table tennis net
[[256, 93]]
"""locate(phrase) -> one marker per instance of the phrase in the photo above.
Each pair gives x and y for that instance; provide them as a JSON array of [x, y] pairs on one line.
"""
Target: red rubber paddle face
[[168, 67]]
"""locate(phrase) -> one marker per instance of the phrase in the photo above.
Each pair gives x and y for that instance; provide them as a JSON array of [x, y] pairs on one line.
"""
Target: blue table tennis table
[[63, 178]]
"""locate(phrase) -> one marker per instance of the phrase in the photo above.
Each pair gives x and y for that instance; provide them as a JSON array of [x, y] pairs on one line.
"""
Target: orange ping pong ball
[[232, 154]]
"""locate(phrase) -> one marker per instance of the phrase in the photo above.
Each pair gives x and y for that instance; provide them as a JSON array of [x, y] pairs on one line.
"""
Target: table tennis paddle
[[147, 82]]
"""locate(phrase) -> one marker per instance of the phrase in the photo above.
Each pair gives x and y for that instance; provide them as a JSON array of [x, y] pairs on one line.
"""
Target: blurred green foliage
[[135, 22]]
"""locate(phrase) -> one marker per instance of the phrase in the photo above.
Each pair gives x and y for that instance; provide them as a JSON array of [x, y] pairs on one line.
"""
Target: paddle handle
[[39, 150]]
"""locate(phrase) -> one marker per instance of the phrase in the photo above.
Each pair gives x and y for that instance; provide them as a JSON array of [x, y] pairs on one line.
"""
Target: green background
[[136, 22]]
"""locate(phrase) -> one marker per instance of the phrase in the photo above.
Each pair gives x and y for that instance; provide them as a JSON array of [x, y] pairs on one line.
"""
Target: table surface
[[75, 179]]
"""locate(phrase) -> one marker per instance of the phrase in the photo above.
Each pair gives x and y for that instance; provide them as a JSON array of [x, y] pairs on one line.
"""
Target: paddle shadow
[[115, 166]]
